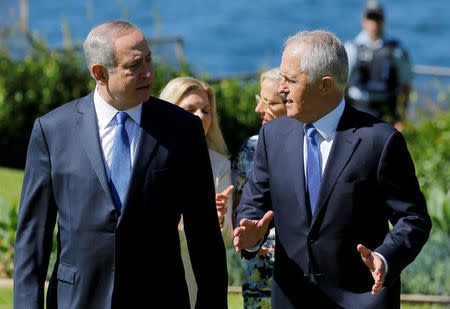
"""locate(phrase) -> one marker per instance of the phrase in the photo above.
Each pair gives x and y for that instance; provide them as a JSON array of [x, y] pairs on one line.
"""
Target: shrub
[[46, 79]]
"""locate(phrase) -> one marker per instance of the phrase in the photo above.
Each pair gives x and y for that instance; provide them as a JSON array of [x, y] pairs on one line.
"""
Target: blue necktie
[[121, 162], [313, 170]]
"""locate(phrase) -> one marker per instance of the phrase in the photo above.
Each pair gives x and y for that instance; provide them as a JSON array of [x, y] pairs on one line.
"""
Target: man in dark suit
[[106, 167], [332, 178]]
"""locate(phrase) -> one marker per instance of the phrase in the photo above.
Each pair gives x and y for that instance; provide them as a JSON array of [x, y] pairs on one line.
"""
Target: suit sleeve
[[406, 203], [256, 200], [201, 225], [37, 217]]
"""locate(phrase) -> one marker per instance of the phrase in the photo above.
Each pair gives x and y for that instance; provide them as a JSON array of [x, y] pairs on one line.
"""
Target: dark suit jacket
[[107, 261], [368, 181]]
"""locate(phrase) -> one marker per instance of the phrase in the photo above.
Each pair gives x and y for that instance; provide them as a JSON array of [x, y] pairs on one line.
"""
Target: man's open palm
[[250, 232]]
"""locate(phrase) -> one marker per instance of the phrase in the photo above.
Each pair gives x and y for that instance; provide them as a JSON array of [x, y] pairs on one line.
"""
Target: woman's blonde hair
[[174, 92]]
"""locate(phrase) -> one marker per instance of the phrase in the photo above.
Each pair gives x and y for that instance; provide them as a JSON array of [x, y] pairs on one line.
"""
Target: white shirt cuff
[[384, 261]]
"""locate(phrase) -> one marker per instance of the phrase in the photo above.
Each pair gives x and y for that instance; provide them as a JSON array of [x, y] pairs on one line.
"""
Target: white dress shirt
[[106, 123]]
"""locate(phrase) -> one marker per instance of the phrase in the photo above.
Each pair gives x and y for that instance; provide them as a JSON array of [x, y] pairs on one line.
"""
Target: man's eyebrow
[[287, 76]]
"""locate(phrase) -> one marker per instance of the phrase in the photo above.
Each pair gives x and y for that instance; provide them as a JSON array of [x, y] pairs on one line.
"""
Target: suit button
[[312, 240]]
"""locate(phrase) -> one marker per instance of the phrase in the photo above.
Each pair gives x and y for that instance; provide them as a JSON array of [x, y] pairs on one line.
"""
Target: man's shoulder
[[365, 124], [280, 127], [281, 122], [67, 110]]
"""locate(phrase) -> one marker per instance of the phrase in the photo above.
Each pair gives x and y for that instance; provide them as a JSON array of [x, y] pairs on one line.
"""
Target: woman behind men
[[198, 98], [258, 273]]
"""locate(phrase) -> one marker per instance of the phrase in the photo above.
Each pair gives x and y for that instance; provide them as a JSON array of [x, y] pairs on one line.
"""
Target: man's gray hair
[[325, 56], [99, 44]]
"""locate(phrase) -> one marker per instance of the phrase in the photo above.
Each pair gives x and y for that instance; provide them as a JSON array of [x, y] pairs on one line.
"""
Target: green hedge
[[46, 79]]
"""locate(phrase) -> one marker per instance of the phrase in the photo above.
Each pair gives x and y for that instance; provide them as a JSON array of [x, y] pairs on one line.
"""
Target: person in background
[[104, 168], [197, 97], [258, 272], [332, 178], [379, 70]]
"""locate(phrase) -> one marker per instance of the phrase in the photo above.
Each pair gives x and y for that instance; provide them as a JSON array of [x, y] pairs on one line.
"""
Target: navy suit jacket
[[107, 261], [368, 181]]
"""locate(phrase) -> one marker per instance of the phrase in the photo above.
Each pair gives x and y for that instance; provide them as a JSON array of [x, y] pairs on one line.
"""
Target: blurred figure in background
[[258, 272], [379, 70], [197, 97]]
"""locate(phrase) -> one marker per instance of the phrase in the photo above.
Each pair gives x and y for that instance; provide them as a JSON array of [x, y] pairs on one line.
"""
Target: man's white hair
[[325, 56]]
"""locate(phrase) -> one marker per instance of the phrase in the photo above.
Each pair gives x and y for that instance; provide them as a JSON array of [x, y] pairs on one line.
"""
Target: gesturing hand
[[250, 232], [221, 204], [375, 265]]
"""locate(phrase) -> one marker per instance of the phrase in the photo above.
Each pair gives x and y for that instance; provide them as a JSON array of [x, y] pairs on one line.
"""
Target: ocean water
[[226, 37]]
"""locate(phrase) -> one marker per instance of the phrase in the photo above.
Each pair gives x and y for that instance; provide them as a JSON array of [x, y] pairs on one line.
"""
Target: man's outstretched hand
[[250, 232], [375, 265]]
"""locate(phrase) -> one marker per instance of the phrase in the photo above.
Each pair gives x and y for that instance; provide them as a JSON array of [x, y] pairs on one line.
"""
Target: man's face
[[132, 79], [301, 97], [373, 27]]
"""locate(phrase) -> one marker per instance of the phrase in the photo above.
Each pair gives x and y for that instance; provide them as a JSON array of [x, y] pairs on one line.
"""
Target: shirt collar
[[326, 126], [105, 112]]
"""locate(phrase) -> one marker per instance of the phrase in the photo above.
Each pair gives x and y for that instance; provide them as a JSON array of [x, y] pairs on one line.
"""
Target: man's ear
[[326, 85], [100, 73]]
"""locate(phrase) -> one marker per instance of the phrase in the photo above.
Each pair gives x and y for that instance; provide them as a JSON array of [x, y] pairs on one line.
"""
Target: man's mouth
[[145, 87]]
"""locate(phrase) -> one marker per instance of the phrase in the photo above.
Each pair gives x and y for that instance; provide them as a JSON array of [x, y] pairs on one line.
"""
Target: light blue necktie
[[313, 170], [121, 162]]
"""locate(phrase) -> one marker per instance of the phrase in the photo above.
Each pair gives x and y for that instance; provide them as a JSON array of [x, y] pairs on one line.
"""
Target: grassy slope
[[10, 184]]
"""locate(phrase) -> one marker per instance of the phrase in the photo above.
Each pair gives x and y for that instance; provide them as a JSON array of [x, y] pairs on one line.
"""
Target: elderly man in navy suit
[[105, 167], [332, 178]]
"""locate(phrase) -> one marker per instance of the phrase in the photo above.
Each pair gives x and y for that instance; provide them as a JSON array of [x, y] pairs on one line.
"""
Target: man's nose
[[283, 89], [148, 70]]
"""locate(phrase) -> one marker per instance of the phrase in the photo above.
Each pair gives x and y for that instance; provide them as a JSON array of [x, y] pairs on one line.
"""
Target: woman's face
[[197, 103], [270, 104]]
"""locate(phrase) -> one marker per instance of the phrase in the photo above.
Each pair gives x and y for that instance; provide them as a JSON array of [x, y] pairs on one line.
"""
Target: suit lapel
[[144, 152], [294, 137], [87, 124], [344, 145]]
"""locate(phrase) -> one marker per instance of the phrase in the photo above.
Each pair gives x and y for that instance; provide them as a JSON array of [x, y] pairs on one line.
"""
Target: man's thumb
[[363, 251], [266, 219]]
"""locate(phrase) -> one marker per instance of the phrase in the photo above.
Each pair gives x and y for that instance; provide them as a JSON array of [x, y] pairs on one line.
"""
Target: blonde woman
[[198, 98]]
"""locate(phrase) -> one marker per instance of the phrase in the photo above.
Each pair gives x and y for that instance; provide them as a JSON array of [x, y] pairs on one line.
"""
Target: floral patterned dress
[[258, 272]]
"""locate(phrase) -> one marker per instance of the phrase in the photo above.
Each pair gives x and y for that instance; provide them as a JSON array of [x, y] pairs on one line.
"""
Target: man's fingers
[[247, 223], [266, 219], [236, 244], [238, 231], [377, 286]]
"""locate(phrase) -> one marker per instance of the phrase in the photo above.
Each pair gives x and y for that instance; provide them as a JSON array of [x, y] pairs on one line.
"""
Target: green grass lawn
[[234, 301], [10, 184]]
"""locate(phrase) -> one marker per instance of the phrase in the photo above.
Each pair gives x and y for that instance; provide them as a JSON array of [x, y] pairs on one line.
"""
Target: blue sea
[[228, 37]]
